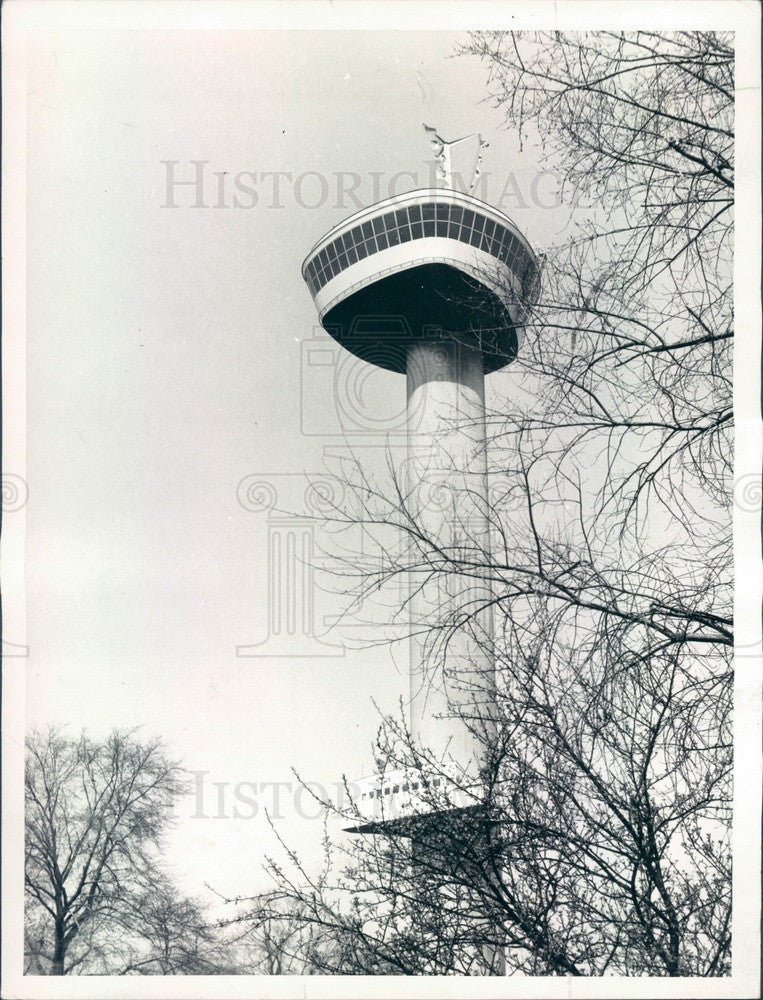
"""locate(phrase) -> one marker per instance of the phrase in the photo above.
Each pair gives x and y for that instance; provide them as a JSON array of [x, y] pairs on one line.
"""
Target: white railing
[[405, 794]]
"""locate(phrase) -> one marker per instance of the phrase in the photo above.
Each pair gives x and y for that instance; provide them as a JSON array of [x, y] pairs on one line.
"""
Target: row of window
[[414, 222], [396, 788]]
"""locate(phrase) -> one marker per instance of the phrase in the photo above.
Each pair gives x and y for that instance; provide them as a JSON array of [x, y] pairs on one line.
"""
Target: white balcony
[[396, 799]]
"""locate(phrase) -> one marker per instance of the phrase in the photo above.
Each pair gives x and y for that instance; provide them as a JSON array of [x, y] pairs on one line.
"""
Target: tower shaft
[[452, 674]]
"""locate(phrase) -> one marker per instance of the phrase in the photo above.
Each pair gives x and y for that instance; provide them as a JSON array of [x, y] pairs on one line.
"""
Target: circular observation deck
[[422, 266]]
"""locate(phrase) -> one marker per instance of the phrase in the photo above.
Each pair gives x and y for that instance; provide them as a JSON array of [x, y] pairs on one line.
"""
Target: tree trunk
[[59, 952]]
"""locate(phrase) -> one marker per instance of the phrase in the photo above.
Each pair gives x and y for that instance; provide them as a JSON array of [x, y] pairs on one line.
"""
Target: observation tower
[[435, 285]]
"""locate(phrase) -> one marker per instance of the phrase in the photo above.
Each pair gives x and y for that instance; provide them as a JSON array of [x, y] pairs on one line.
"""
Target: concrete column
[[452, 670]]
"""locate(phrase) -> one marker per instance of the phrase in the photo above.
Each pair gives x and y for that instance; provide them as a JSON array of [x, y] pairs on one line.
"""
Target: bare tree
[[97, 899], [167, 934], [607, 787]]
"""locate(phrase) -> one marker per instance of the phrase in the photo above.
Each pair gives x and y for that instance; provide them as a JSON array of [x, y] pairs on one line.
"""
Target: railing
[[406, 794]]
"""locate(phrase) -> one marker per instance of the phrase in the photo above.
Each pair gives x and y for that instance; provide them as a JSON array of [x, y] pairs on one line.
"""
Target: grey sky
[[164, 351]]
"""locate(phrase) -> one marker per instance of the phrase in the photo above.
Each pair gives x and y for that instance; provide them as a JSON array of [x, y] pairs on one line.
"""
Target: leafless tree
[[97, 899], [168, 934], [607, 787]]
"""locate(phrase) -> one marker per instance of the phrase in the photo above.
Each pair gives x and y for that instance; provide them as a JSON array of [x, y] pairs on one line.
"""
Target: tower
[[434, 284]]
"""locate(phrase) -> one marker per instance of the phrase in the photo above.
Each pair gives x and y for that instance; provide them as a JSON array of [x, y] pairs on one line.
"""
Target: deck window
[[441, 219]]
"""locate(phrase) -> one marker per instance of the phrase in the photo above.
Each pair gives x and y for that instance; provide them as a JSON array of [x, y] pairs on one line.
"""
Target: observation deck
[[418, 265]]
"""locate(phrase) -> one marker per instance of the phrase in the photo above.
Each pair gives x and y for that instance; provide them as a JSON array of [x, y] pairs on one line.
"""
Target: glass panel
[[394, 237], [352, 255], [378, 225], [467, 224], [342, 260], [381, 241], [427, 211], [368, 230], [414, 213], [417, 230], [441, 216]]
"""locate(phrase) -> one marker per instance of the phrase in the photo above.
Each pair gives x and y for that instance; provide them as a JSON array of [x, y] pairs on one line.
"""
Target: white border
[[23, 16]]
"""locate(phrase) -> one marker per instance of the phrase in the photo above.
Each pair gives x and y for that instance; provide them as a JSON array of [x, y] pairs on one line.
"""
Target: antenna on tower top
[[458, 160]]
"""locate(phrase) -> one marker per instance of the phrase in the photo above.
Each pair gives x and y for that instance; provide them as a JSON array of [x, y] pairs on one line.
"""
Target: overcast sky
[[167, 353]]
